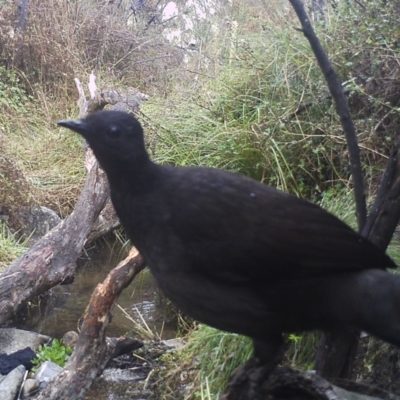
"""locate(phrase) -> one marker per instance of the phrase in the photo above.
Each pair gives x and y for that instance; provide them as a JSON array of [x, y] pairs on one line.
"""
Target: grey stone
[[12, 340], [120, 375], [47, 371], [346, 395], [174, 344], [9, 387], [30, 386], [123, 107], [70, 338], [37, 221]]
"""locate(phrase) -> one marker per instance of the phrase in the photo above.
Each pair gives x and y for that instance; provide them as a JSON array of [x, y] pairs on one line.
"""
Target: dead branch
[[93, 351]]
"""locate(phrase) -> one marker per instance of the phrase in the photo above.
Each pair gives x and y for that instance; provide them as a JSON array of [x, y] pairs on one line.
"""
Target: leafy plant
[[12, 96], [56, 352]]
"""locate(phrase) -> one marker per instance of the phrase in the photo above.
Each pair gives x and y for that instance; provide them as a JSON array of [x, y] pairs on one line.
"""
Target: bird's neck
[[135, 176]]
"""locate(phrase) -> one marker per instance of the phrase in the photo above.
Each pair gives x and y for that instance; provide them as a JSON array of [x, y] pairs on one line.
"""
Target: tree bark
[[385, 212], [105, 223], [22, 15], [336, 354]]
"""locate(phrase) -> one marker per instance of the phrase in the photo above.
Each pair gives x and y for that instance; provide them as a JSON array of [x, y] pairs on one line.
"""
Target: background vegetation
[[241, 91]]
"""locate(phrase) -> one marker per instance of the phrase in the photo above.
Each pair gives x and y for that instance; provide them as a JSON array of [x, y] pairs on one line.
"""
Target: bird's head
[[115, 137]]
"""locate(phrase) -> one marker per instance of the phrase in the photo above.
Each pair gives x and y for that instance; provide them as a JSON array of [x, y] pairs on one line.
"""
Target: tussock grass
[[205, 363], [218, 354]]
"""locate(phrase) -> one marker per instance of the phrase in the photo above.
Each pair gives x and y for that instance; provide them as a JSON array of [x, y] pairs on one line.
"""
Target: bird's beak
[[79, 126]]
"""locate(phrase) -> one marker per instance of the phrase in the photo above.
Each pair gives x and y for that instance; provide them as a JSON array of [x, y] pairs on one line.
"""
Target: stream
[[62, 308]]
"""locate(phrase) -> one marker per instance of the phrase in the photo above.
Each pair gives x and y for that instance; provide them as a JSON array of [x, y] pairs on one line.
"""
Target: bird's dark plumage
[[237, 254]]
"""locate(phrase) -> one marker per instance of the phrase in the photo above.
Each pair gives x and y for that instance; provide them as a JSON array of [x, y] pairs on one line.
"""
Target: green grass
[[218, 354], [207, 362], [394, 250], [10, 247]]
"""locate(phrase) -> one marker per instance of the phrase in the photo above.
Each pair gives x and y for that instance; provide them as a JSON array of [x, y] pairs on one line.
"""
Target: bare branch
[[342, 109]]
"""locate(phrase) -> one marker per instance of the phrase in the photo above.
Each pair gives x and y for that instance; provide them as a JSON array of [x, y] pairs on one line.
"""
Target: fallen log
[[250, 383]]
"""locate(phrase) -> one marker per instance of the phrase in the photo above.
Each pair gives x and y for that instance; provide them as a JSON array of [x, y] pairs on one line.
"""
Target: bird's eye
[[114, 132]]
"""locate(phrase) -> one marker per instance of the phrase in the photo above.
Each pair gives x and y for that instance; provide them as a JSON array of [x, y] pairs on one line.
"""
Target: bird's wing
[[253, 231]]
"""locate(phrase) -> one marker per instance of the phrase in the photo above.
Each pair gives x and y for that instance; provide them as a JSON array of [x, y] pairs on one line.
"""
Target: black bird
[[239, 255]]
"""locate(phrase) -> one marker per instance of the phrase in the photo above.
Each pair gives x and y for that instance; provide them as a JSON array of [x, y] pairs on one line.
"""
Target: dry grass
[[49, 159]]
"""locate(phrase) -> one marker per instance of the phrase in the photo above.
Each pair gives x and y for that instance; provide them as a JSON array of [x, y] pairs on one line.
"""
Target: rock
[[174, 344], [36, 222], [47, 371], [12, 340], [345, 395], [102, 389], [9, 387], [123, 375], [24, 357], [70, 338], [30, 386], [123, 107]]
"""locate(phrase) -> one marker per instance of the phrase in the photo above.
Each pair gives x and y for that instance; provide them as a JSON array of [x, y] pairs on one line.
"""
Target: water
[[62, 308]]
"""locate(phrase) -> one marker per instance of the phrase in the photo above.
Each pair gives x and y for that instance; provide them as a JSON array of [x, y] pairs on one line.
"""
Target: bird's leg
[[248, 381], [270, 350]]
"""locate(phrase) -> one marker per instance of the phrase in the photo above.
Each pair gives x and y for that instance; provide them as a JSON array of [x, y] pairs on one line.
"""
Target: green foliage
[[56, 352], [364, 46], [207, 361], [301, 351], [340, 202], [394, 250], [268, 114], [12, 95], [219, 354], [248, 123]]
